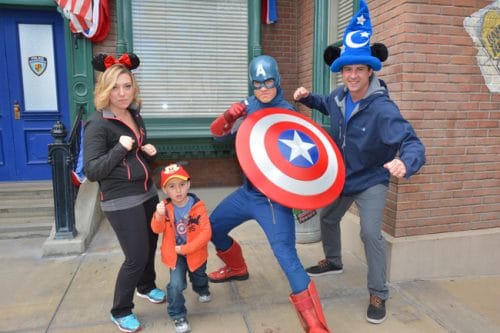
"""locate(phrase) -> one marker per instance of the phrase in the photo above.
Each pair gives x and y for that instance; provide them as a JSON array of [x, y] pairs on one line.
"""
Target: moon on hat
[[350, 43]]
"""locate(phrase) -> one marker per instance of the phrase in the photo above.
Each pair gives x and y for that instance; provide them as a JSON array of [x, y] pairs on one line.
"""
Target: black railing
[[63, 157]]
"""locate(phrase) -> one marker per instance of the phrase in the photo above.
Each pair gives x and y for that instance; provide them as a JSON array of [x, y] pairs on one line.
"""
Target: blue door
[[33, 91]]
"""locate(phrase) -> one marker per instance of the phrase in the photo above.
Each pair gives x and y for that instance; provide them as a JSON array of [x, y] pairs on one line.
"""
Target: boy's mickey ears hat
[[356, 45]]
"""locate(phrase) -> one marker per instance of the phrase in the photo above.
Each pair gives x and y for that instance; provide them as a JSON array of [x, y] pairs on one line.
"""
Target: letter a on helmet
[[260, 71], [263, 68]]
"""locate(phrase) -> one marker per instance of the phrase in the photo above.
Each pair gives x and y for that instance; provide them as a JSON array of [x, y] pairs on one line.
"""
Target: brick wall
[[433, 76], [279, 40], [108, 45], [305, 39]]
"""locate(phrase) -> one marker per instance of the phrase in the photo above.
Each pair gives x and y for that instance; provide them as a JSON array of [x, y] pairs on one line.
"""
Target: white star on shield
[[298, 147]]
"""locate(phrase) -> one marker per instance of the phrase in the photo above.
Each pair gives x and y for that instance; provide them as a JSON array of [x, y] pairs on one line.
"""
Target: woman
[[116, 154]]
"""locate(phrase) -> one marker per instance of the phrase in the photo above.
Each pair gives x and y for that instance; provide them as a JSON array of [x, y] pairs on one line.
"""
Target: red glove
[[234, 112], [222, 125]]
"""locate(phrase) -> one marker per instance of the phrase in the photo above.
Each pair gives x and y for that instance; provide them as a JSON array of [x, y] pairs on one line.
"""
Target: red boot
[[308, 307], [235, 268]]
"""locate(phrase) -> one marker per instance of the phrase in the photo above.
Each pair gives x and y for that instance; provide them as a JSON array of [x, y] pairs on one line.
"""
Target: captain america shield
[[290, 158]]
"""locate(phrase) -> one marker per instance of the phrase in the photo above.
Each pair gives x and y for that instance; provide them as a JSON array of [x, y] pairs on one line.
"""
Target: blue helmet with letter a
[[262, 70]]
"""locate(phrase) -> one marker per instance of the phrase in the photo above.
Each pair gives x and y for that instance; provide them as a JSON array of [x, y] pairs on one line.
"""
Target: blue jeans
[[176, 308]]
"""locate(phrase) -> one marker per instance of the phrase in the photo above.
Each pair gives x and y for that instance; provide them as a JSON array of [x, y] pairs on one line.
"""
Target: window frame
[[181, 127], [322, 77], [176, 137]]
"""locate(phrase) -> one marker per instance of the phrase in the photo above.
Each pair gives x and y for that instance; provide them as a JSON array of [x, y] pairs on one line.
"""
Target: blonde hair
[[107, 81]]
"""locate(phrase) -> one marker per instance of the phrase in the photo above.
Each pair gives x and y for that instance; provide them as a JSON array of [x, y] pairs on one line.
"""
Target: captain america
[[248, 203]]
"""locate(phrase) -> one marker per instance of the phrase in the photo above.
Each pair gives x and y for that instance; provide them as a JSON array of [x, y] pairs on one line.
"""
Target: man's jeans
[[370, 205]]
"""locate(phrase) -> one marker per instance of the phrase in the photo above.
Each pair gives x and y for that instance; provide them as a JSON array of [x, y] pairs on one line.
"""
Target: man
[[248, 203], [376, 142]]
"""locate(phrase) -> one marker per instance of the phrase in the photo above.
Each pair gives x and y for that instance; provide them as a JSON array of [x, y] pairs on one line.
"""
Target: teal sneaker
[[128, 323], [155, 296]]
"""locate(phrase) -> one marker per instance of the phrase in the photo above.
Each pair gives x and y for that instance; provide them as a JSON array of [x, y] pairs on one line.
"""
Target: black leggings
[[138, 243]]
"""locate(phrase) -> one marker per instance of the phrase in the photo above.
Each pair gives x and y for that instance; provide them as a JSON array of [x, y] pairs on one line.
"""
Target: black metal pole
[[61, 159]]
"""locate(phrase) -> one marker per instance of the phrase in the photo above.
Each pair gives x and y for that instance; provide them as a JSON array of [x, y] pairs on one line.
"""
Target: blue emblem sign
[[290, 159], [38, 64]]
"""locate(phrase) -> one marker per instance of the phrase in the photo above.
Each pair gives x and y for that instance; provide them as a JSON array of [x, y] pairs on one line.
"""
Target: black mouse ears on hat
[[103, 61], [378, 50]]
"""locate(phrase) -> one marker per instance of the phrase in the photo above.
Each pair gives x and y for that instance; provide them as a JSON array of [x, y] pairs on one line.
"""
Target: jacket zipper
[[139, 144], [125, 163]]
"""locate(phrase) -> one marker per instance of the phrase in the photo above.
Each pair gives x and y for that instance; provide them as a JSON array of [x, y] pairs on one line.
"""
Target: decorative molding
[[321, 73], [193, 148], [44, 3]]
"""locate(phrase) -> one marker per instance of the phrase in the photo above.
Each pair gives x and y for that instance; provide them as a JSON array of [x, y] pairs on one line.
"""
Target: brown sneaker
[[376, 310]]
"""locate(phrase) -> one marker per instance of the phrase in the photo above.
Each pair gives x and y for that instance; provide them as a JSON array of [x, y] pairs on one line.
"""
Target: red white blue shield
[[290, 159]]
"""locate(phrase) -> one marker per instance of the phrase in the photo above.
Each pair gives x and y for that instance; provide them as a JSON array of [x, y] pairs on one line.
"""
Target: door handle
[[17, 111]]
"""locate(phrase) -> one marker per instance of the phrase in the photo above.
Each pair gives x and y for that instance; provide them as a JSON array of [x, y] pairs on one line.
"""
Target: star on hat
[[356, 43]]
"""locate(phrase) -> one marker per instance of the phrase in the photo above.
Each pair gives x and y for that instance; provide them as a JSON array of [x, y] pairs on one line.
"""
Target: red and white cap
[[173, 171]]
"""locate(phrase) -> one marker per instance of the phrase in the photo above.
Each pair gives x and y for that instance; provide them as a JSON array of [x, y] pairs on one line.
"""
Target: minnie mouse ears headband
[[102, 61], [378, 50]]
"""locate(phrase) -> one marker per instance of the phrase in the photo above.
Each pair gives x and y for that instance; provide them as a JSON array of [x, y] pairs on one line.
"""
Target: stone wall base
[[436, 256], [88, 216]]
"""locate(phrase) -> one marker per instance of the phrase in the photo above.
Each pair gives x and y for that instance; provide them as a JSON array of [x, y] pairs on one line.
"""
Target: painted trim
[[254, 29], [193, 148], [123, 20], [80, 74], [321, 73], [38, 3]]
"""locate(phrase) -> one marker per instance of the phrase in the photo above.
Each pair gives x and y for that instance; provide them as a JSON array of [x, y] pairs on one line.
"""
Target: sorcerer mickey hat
[[356, 43]]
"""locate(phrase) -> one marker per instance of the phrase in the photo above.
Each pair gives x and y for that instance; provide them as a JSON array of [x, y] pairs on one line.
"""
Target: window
[[194, 56]]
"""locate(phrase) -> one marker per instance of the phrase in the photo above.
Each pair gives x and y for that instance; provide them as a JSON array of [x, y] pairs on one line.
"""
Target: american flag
[[269, 12], [79, 13]]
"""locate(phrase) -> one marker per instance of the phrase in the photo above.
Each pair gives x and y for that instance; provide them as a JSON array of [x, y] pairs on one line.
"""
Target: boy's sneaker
[[205, 298], [182, 325], [128, 323], [155, 296], [376, 310], [324, 267]]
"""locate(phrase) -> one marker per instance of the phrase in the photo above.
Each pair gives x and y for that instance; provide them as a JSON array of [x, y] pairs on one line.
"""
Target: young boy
[[183, 220]]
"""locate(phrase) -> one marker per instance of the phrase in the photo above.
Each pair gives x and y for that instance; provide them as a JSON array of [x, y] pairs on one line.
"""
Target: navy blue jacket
[[374, 135]]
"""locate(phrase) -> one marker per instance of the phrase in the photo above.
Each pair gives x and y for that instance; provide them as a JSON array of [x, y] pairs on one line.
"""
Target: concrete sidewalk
[[74, 293]]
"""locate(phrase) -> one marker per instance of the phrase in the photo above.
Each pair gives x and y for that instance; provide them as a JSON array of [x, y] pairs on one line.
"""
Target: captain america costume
[[249, 203], [276, 220]]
